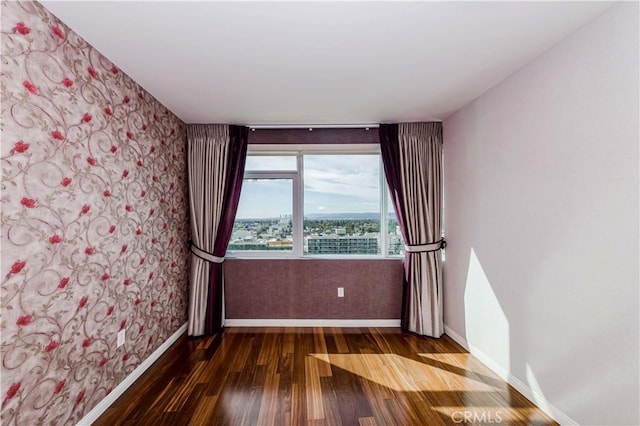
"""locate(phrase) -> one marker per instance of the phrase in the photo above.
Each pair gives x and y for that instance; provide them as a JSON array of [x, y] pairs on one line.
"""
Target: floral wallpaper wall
[[94, 221]]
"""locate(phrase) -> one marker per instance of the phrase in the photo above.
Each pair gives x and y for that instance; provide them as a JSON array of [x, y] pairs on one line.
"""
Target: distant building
[[280, 245], [396, 245], [335, 244]]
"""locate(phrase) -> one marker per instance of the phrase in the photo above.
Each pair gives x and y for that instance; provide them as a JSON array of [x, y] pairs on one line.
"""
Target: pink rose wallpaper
[[94, 221]]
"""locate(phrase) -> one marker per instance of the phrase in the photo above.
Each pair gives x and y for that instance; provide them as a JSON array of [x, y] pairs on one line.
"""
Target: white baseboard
[[106, 402], [311, 323], [551, 410]]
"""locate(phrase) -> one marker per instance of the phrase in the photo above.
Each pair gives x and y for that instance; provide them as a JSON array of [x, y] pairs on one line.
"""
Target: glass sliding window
[[265, 214], [341, 204]]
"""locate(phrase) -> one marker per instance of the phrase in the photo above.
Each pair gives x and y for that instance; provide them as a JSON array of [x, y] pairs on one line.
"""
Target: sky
[[332, 184]]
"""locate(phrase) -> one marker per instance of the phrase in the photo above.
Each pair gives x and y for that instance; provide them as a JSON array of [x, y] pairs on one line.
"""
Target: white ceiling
[[320, 62]]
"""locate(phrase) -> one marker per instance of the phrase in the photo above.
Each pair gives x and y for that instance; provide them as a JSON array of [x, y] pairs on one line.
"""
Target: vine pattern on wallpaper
[[94, 221]]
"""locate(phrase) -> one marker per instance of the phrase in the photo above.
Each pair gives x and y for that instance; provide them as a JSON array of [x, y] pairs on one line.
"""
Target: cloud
[[353, 175]]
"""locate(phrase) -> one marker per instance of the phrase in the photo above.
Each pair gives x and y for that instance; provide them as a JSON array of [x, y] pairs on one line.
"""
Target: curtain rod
[[313, 126]]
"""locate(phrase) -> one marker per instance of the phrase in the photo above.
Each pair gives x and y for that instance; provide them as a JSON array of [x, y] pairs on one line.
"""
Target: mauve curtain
[[412, 158], [216, 159]]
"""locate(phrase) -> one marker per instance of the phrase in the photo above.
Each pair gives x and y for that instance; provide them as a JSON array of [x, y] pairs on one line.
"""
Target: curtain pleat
[[412, 158], [236, 156], [211, 173]]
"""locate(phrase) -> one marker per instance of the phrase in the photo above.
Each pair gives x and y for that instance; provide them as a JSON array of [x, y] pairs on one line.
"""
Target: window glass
[[341, 204], [264, 218]]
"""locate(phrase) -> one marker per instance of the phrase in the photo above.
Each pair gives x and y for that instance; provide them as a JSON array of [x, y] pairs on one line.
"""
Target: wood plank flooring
[[320, 376]]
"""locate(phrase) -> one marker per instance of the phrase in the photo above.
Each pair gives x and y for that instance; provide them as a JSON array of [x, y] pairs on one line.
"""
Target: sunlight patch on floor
[[473, 374], [403, 374]]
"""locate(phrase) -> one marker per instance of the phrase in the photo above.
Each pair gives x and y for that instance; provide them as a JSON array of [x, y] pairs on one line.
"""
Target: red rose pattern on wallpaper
[[94, 221]]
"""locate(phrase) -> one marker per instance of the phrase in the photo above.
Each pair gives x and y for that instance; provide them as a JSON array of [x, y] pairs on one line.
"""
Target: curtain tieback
[[422, 248], [209, 257]]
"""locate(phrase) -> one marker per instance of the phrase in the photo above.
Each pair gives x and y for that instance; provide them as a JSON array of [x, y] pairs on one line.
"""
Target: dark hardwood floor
[[319, 376]]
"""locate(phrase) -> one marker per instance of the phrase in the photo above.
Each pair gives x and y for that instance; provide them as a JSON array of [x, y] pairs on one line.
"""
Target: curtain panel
[[216, 159], [412, 158]]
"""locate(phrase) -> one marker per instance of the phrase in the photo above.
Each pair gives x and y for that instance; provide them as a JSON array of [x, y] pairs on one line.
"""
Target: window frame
[[295, 182], [299, 151]]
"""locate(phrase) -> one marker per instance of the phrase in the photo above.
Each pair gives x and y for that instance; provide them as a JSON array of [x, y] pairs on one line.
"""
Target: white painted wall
[[542, 212]]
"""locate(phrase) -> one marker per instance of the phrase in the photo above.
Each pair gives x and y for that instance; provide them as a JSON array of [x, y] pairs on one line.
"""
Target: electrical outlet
[[340, 291], [121, 337]]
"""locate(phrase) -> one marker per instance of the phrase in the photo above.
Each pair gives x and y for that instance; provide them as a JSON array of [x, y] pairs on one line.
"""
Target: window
[[315, 201], [264, 221], [342, 204], [265, 216]]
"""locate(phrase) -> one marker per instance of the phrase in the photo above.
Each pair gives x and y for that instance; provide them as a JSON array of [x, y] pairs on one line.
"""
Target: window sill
[[260, 256]]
